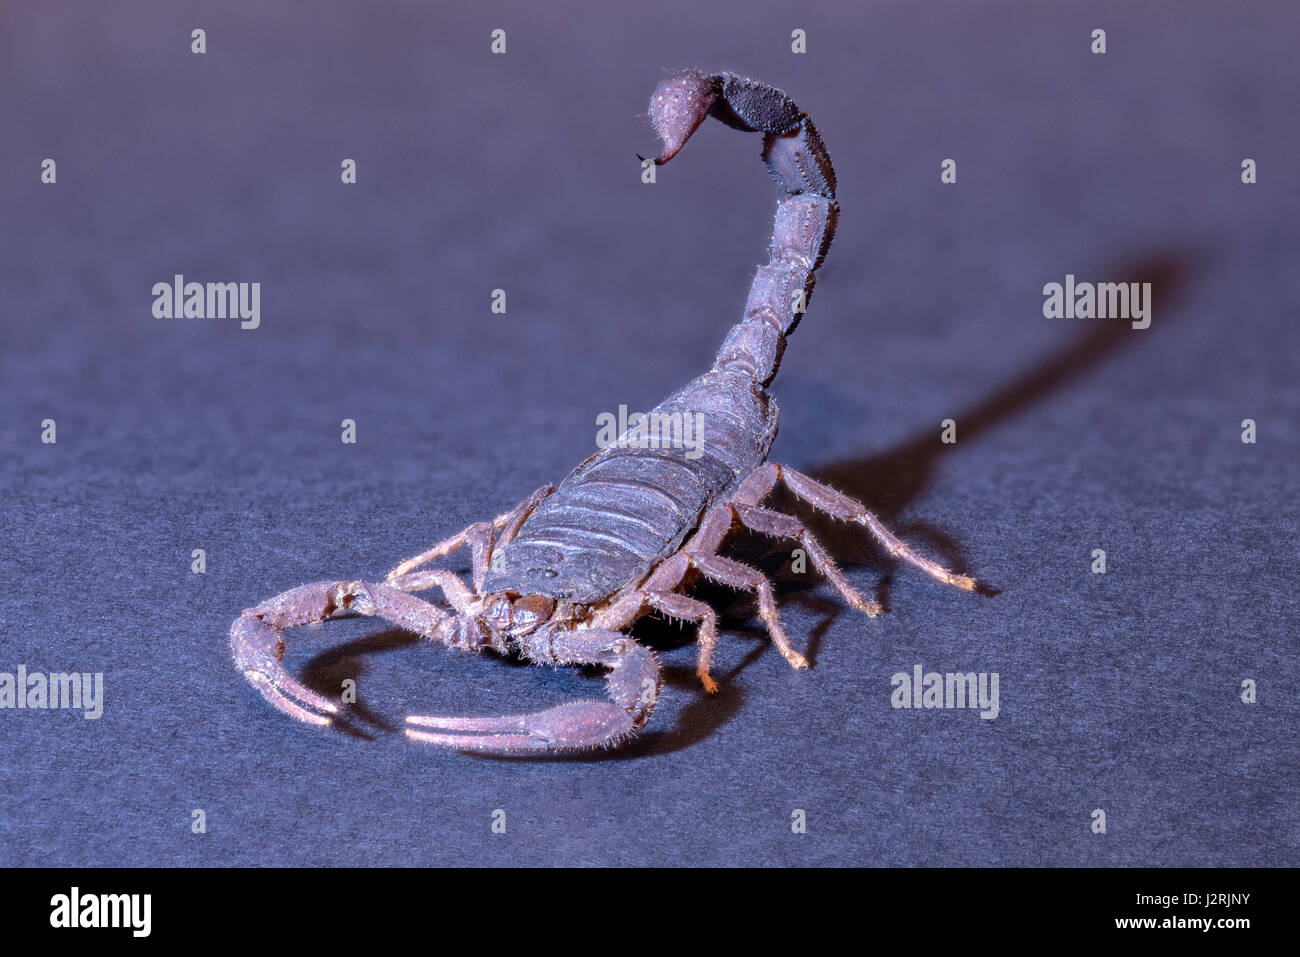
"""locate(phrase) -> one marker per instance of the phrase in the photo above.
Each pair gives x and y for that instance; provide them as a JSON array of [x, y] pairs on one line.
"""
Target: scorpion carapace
[[562, 577]]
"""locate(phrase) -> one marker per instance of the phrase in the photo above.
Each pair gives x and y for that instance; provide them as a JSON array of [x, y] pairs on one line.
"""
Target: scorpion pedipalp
[[633, 683], [257, 636]]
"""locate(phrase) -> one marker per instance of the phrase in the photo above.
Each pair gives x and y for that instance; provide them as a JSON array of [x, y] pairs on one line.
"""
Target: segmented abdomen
[[626, 508]]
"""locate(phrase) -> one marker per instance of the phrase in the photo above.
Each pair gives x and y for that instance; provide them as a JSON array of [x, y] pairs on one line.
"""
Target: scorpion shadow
[[327, 669], [887, 482]]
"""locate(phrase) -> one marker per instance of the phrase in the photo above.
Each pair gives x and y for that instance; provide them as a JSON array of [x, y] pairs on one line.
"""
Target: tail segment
[[806, 210]]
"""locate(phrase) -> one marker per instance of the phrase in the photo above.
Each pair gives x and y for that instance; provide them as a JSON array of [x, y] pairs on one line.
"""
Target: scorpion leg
[[779, 525], [705, 544], [455, 590], [257, 636], [632, 683], [679, 606], [657, 594], [840, 506], [735, 574], [477, 536], [480, 537]]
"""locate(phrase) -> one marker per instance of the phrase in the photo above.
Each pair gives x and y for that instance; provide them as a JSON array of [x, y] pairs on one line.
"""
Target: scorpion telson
[[561, 578]]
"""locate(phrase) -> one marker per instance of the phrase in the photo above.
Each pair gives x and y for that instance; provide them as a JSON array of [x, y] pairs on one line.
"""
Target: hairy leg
[[480, 538], [779, 525], [826, 499], [456, 591], [657, 594], [724, 571]]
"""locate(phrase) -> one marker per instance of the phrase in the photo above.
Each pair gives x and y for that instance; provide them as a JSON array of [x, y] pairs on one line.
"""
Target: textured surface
[[1118, 691]]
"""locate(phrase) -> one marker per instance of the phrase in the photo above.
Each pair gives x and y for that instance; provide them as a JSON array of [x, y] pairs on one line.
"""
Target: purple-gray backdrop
[[1119, 692]]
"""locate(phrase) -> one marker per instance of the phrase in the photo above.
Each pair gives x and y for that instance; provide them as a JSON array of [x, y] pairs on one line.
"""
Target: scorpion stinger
[[562, 577]]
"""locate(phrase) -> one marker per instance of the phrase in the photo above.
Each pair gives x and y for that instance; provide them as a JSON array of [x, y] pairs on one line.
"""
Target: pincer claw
[[567, 727], [258, 650]]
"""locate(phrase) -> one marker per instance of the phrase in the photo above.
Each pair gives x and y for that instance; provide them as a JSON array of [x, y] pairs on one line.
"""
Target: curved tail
[[806, 210]]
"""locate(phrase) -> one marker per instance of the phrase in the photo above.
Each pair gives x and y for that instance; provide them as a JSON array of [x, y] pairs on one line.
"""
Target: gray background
[[1119, 691]]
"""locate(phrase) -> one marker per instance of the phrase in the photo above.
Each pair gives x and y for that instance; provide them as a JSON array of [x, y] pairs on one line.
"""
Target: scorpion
[[561, 578]]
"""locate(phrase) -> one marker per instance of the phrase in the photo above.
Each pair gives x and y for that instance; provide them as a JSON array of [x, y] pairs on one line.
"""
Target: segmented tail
[[806, 210]]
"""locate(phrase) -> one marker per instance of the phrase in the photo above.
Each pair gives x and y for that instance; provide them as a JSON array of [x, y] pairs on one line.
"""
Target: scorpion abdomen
[[632, 504]]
